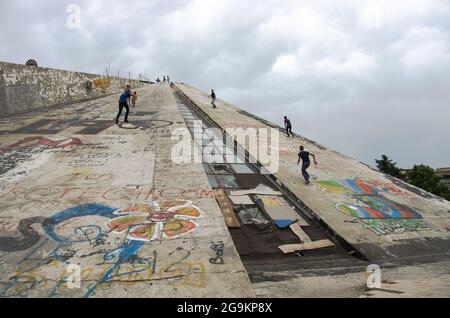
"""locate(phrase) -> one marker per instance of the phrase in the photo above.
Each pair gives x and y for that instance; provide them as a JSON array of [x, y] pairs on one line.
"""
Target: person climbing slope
[[305, 157]]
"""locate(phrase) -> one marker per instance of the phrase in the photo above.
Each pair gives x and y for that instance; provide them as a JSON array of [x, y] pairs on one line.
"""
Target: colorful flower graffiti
[[369, 202], [161, 220], [140, 223]]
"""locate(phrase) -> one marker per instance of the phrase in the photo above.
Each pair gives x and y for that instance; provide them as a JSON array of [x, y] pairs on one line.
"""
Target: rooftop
[[77, 189]]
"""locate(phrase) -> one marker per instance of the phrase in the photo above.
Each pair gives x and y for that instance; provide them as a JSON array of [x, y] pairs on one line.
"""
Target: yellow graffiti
[[186, 274], [103, 83], [333, 187]]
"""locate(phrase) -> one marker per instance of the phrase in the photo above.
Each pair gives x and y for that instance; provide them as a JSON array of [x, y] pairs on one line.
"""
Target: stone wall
[[24, 88]]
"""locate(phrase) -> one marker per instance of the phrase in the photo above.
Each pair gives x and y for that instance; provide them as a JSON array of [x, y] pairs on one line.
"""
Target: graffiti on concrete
[[55, 126], [368, 200], [29, 237], [373, 210], [218, 249], [77, 238], [146, 124], [41, 141], [165, 220], [387, 227], [56, 193], [102, 83], [15, 154]]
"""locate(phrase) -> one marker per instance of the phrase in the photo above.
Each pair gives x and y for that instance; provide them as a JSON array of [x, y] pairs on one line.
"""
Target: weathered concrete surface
[[24, 88], [69, 184], [424, 281], [381, 217]]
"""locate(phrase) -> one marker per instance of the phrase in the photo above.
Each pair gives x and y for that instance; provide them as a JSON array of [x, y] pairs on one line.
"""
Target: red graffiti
[[50, 144]]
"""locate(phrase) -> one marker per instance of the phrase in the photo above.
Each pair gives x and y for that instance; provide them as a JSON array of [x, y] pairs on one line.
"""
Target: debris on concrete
[[253, 216], [227, 209], [297, 229], [287, 249], [241, 199], [261, 189], [279, 211]]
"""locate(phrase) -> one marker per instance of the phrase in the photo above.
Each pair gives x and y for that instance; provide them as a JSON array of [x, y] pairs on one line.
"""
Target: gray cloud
[[363, 77]]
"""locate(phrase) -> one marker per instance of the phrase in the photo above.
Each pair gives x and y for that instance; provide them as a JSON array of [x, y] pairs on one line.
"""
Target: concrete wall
[[24, 88]]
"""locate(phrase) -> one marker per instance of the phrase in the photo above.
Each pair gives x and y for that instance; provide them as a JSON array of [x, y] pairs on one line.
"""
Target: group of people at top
[[304, 156], [165, 79]]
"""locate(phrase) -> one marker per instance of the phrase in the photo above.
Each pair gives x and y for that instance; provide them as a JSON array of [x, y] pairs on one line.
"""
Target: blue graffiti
[[77, 212], [116, 257]]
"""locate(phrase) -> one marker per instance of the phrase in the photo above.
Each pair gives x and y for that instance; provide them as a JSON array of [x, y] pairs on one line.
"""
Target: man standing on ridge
[[213, 96], [304, 155], [124, 101], [288, 126]]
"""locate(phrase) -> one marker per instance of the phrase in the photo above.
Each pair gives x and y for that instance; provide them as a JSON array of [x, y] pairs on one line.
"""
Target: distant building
[[444, 173]]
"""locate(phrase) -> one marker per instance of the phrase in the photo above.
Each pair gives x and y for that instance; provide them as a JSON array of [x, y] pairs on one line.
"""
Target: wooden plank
[[302, 222], [248, 192], [297, 229], [241, 199], [287, 249], [227, 209]]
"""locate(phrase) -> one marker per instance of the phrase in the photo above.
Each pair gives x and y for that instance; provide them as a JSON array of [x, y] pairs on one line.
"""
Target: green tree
[[425, 177], [387, 166]]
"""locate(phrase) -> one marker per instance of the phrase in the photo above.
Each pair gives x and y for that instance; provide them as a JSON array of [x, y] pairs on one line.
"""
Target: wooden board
[[241, 199], [260, 189], [287, 249], [227, 209], [248, 192], [282, 214], [297, 229], [302, 222]]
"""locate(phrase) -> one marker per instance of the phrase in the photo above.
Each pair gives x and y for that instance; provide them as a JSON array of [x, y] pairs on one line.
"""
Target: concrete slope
[[76, 190], [383, 218]]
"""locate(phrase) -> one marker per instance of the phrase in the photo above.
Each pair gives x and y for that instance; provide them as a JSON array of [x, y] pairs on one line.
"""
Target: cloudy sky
[[363, 77]]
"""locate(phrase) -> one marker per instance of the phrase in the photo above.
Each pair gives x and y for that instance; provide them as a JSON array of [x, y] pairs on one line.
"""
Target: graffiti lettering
[[56, 193], [386, 227], [218, 248]]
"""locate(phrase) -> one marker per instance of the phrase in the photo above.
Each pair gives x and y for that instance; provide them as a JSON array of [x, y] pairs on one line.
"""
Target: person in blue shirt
[[123, 103]]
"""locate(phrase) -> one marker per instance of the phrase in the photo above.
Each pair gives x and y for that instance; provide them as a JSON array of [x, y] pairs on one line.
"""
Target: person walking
[[305, 157], [124, 101], [288, 126], [213, 97]]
